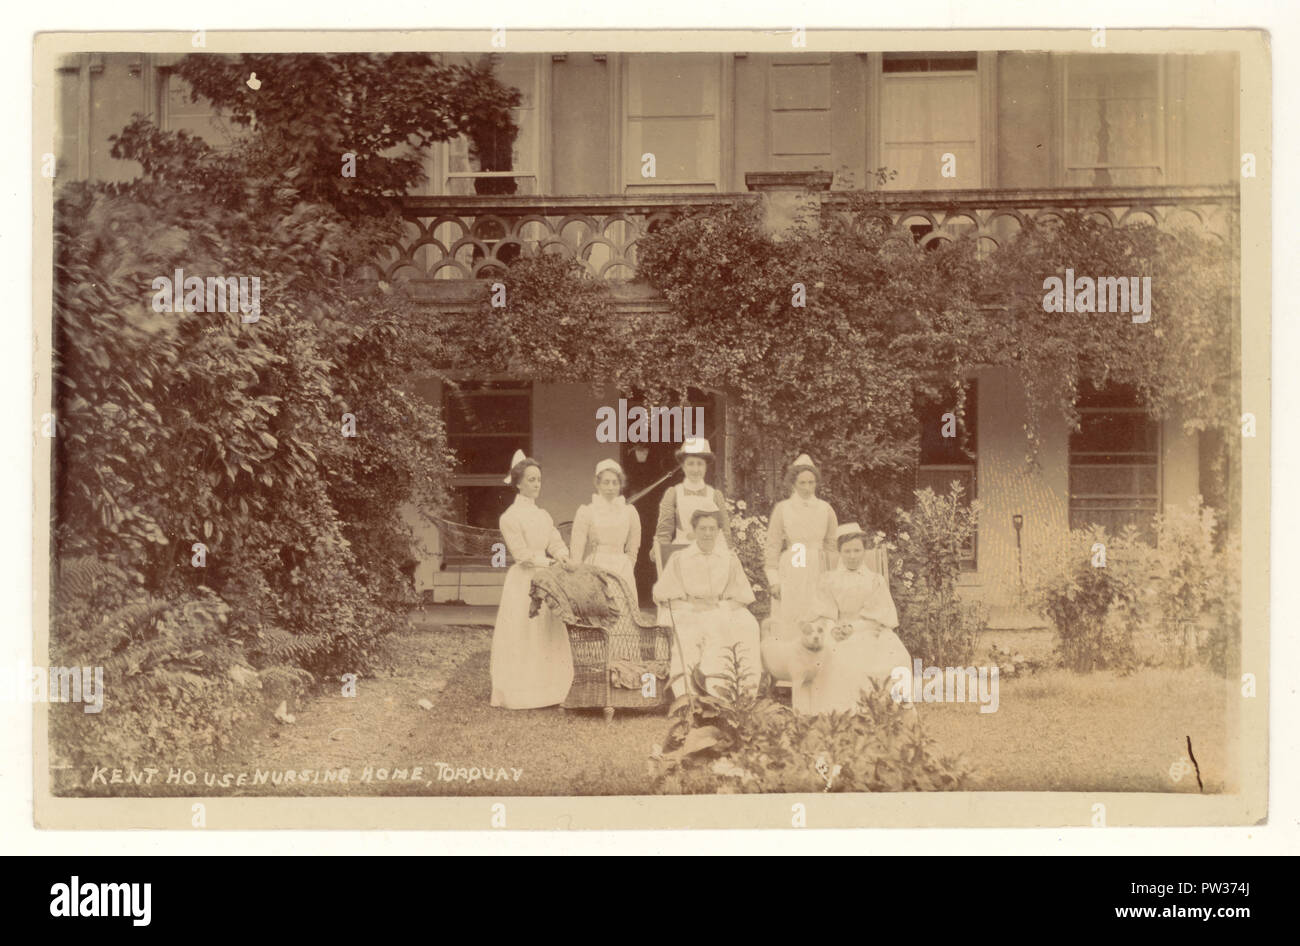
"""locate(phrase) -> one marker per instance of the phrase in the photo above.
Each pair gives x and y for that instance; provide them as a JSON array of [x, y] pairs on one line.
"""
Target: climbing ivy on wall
[[830, 337]]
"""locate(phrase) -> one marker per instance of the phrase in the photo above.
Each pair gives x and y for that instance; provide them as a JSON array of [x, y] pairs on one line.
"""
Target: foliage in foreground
[[174, 677], [734, 742]]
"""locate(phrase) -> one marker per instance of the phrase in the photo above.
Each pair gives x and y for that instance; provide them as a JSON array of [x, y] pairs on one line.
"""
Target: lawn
[[1053, 731]]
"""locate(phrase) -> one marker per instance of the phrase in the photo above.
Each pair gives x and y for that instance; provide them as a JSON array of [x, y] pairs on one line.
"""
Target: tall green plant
[[310, 109], [1093, 588], [934, 624], [1195, 587]]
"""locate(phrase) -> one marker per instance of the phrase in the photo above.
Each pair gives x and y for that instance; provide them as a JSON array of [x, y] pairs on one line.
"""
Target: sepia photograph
[[853, 418]]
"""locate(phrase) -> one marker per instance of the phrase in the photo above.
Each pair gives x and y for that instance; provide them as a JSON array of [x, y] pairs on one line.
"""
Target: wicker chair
[[602, 646]]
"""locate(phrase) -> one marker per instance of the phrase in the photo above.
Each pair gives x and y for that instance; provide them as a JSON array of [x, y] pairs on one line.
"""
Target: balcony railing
[[464, 238]]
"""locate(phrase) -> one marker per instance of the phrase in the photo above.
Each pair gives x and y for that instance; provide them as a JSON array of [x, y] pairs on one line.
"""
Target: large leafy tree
[[199, 427], [310, 110]]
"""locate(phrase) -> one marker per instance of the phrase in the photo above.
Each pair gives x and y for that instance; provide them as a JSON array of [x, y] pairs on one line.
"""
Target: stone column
[[789, 198]]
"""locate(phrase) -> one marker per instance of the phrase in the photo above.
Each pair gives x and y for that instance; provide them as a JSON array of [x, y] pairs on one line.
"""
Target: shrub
[[1176, 602], [934, 624], [175, 679], [177, 428], [748, 540], [1011, 663], [1093, 588], [1195, 587], [737, 743], [1221, 648]]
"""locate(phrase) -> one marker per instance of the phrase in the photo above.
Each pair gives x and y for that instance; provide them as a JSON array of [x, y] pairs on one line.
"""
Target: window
[[178, 113], [948, 458], [929, 108], [68, 143], [1114, 462], [928, 62], [490, 166], [1114, 129], [799, 117], [487, 421], [671, 109], [765, 477]]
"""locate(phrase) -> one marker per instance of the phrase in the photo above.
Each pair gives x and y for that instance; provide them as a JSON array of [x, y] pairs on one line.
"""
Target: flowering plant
[[738, 743], [748, 540], [933, 624]]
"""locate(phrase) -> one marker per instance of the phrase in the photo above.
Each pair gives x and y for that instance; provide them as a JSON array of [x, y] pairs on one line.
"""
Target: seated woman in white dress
[[607, 530], [800, 547], [856, 610], [706, 591], [531, 663]]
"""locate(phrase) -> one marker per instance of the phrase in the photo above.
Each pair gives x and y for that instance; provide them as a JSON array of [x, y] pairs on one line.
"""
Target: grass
[[1061, 731], [1053, 731]]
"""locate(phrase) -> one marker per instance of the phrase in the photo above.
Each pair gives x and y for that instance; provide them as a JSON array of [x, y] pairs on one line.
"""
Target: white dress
[[812, 524], [531, 662], [865, 658], [705, 595], [608, 535]]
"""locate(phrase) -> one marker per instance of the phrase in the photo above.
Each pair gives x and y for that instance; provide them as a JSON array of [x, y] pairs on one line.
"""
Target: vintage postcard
[[535, 430]]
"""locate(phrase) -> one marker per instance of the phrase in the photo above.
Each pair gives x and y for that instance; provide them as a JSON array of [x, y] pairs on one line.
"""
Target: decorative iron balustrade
[[460, 238]]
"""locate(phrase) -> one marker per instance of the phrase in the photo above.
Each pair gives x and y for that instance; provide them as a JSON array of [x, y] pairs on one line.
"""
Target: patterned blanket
[[580, 596]]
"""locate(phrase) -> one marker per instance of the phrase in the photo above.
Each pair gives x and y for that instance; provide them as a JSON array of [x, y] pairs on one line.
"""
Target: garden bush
[[736, 743], [1174, 603], [1195, 588], [1093, 588], [934, 624], [175, 679], [206, 462], [749, 541]]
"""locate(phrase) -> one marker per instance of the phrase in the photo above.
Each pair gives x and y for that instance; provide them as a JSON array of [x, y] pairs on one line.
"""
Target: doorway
[[653, 466]]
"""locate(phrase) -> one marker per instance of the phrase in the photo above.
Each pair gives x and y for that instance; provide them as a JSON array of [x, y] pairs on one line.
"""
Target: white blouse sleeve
[[670, 585], [512, 530], [555, 546], [879, 606]]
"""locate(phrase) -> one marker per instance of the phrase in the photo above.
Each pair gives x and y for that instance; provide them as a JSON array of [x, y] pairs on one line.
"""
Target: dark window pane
[[961, 449], [482, 506], [929, 62], [1113, 395], [1113, 480], [478, 455], [489, 413], [1114, 462], [487, 421], [1115, 432]]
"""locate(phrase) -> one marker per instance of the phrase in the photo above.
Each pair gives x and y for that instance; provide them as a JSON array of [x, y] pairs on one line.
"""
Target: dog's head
[[812, 636]]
